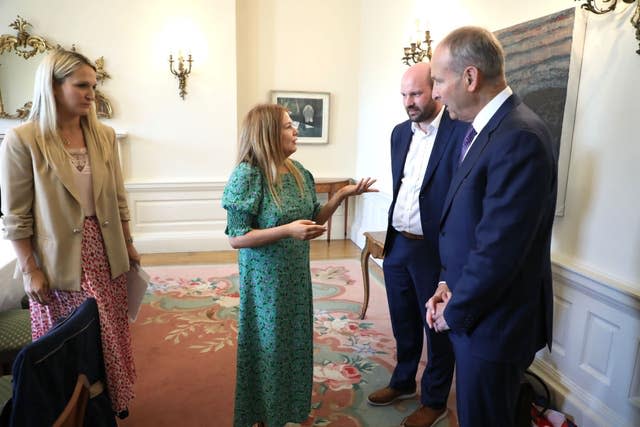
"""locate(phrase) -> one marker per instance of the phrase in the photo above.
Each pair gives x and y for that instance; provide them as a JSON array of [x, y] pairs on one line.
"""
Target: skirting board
[[576, 402]]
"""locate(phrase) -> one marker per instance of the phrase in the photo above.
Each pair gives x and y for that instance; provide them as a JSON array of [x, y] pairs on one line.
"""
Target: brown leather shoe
[[386, 396], [424, 417]]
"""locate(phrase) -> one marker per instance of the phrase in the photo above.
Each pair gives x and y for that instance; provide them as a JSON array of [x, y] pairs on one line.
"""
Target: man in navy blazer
[[495, 294], [423, 159]]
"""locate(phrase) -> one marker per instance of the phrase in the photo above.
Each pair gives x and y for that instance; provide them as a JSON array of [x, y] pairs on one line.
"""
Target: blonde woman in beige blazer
[[65, 212]]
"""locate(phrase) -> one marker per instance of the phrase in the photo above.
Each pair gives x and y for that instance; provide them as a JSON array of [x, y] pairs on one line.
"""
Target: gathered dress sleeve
[[242, 198]]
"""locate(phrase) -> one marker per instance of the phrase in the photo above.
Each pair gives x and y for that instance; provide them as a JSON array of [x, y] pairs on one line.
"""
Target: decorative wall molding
[[594, 366], [613, 291], [187, 216], [585, 409], [177, 217]]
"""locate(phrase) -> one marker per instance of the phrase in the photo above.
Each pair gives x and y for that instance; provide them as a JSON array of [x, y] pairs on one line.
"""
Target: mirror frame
[[26, 46]]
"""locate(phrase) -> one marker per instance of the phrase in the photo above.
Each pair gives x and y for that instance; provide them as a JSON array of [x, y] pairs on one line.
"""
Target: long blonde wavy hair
[[54, 69], [260, 145]]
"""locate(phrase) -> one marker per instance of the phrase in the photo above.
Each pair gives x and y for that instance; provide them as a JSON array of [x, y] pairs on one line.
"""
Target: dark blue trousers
[[411, 278], [486, 391]]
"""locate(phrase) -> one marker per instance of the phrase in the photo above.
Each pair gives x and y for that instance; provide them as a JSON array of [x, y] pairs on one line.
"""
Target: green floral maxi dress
[[275, 323]]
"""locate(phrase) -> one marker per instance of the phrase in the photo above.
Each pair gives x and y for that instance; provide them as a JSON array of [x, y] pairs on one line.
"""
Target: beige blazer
[[41, 202]]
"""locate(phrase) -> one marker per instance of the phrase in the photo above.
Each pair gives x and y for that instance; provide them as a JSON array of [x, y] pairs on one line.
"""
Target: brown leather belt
[[411, 236]]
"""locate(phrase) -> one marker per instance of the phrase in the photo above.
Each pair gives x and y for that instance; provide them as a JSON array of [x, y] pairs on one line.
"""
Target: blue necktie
[[466, 142]]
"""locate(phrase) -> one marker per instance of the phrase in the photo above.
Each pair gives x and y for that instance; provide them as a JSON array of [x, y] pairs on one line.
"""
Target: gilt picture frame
[[309, 111]]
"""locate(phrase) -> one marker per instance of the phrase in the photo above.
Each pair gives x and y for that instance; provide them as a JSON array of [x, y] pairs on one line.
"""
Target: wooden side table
[[331, 186], [374, 246]]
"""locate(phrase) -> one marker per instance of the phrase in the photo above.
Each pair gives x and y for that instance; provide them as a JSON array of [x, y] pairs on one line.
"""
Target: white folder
[[137, 283]]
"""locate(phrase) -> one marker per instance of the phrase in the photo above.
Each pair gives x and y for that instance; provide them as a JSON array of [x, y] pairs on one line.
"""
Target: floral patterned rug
[[185, 337]]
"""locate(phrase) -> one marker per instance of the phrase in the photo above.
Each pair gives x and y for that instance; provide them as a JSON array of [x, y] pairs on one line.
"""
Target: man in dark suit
[[495, 298], [423, 159]]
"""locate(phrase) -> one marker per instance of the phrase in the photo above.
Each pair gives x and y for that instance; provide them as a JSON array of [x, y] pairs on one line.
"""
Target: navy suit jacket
[[440, 169], [45, 372], [495, 238]]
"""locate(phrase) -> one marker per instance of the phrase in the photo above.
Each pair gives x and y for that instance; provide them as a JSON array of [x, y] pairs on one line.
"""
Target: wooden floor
[[320, 250]]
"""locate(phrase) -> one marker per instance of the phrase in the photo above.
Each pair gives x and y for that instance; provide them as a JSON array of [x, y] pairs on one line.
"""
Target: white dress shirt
[[487, 112], [406, 212]]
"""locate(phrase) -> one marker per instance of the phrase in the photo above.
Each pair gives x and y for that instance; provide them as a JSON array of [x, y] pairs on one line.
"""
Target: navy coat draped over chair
[[45, 372]]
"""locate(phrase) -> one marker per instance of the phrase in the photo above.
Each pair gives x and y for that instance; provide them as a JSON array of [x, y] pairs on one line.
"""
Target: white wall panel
[[596, 352], [177, 217], [594, 374], [561, 313]]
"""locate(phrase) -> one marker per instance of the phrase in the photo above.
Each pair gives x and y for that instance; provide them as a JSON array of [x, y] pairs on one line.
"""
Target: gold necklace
[[65, 140]]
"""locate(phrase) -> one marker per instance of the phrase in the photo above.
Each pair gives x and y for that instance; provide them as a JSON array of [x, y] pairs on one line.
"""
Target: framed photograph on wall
[[309, 111]]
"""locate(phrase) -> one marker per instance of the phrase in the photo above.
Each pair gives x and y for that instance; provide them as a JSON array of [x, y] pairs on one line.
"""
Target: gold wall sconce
[[592, 6], [418, 50], [182, 73]]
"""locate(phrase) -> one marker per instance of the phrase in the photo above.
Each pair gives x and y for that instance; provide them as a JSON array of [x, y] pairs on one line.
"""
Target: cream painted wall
[[351, 49], [600, 232], [168, 139], [304, 46]]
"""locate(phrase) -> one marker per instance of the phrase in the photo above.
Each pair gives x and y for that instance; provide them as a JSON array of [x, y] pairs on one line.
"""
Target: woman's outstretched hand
[[363, 186], [304, 229]]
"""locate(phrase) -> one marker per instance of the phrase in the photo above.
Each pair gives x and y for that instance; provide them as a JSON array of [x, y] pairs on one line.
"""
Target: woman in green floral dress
[[272, 213]]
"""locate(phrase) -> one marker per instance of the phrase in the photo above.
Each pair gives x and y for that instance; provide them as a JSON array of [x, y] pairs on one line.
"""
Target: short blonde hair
[[260, 146], [55, 68]]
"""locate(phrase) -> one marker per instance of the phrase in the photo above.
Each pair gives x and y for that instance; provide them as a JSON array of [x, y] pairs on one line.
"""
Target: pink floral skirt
[[111, 297]]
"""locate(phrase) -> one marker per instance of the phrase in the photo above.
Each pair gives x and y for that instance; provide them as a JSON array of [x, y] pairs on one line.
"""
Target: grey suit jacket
[[40, 201]]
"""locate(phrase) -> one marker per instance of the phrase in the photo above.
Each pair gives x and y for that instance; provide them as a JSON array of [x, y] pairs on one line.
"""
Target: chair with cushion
[[5, 389], [5, 399], [73, 414], [45, 373], [15, 333]]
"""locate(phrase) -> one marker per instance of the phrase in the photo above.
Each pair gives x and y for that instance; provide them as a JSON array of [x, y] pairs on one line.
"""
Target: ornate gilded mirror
[[20, 55]]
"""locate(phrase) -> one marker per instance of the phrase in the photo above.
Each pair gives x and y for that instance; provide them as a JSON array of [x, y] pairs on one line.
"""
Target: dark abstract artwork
[[543, 60]]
